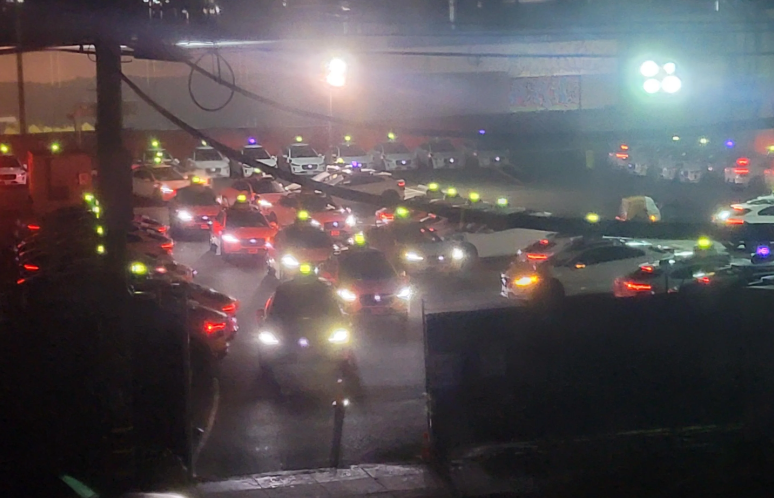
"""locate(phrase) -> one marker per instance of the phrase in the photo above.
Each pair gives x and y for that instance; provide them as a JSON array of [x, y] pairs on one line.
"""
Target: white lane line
[[210, 421]]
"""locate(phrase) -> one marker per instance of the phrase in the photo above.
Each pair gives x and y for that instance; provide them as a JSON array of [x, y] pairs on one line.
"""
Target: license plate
[[335, 233], [252, 251]]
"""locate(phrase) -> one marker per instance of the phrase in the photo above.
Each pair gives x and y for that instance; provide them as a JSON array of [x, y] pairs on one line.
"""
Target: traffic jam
[[334, 263]]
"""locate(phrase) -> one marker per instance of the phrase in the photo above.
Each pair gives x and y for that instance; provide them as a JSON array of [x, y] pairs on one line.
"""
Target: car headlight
[[230, 238], [351, 221], [723, 215], [166, 190], [268, 338], [347, 295], [289, 261], [184, 216], [457, 254], [264, 203], [404, 293], [526, 281], [412, 256], [339, 336]]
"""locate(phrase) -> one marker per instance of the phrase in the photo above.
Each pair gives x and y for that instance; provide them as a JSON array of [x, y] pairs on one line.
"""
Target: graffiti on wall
[[549, 93]]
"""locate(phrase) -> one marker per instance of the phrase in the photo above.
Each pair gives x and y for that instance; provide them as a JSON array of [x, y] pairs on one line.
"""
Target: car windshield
[[316, 203], [167, 175], [266, 186], [9, 162], [369, 265], [239, 218], [256, 153], [307, 238], [351, 151], [302, 151], [442, 147], [194, 196], [313, 300], [395, 148], [415, 234], [207, 155]]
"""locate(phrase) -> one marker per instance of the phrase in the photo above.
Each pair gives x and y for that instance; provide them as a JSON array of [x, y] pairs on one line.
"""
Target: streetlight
[[660, 78], [336, 77]]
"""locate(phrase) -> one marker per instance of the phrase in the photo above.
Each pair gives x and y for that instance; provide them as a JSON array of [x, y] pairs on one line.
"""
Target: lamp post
[[336, 77]]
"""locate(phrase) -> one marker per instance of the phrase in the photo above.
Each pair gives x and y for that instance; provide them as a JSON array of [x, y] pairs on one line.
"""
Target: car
[[367, 283], [639, 208], [366, 180], [754, 211], [349, 154], [439, 154], [202, 295], [302, 159], [150, 244], [479, 154], [211, 329], [415, 248], [738, 175], [392, 156], [387, 215], [258, 154], [304, 338], [321, 208], [149, 223], [668, 274], [157, 183], [299, 243], [691, 173], [208, 163], [12, 171], [155, 156], [193, 208], [262, 190], [586, 265], [242, 230]]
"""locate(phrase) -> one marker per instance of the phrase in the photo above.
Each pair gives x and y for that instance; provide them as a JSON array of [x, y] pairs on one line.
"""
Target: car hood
[[316, 329], [306, 160]]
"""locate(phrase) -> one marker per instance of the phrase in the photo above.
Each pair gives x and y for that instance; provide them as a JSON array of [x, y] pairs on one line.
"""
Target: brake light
[[212, 327], [230, 307], [624, 147], [167, 246], [31, 267], [734, 221], [638, 287], [738, 208], [401, 183], [386, 216], [20, 281], [703, 280], [741, 171], [537, 256], [33, 227], [647, 268], [743, 161], [544, 242], [161, 229], [621, 155]]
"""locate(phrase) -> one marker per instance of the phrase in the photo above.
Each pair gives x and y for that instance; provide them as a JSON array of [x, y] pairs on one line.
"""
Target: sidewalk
[[374, 481]]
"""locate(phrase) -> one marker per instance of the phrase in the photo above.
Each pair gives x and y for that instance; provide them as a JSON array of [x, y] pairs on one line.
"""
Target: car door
[[142, 183]]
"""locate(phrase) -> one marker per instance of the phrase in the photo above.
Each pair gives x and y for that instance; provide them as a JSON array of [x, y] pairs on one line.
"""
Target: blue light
[[355, 164], [763, 251], [730, 144], [251, 140], [481, 131]]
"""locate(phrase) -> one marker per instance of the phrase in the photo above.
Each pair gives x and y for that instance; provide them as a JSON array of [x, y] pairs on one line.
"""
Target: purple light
[[730, 144], [763, 251], [481, 131], [251, 140], [355, 164]]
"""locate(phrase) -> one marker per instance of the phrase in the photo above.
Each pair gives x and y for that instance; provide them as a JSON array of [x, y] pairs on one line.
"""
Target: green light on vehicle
[[4, 149], [100, 249], [474, 197], [88, 197], [401, 212], [305, 269], [100, 230], [241, 198], [347, 138], [157, 160], [391, 136], [303, 215], [592, 217], [55, 147], [704, 243], [299, 138], [96, 210], [138, 268], [502, 202], [155, 143], [433, 187], [359, 239], [451, 192]]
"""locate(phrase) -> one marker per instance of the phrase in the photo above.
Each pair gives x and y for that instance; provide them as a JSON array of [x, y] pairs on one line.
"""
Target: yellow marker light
[[305, 268], [653, 218], [100, 249], [4, 149], [241, 198], [391, 136], [100, 230], [347, 138], [204, 143], [303, 215], [88, 197], [138, 268], [196, 179], [592, 217], [340, 160], [155, 144], [704, 243], [157, 160], [401, 212], [525, 281], [502, 201], [433, 187], [770, 148], [55, 147], [359, 239], [451, 192], [299, 138], [474, 197]]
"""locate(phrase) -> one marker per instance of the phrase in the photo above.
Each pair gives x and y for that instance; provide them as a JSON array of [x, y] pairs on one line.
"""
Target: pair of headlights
[[350, 297], [338, 336], [457, 254]]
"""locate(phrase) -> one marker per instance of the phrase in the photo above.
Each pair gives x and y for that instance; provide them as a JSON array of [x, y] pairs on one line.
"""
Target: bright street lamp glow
[[671, 84], [649, 69], [652, 85], [337, 65], [336, 79], [670, 68]]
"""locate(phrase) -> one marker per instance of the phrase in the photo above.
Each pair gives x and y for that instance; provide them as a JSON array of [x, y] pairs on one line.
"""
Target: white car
[[392, 156], [692, 173], [737, 175], [755, 211], [585, 266], [368, 180], [208, 163], [439, 154], [485, 157], [157, 183], [12, 172], [259, 154], [349, 154], [302, 159]]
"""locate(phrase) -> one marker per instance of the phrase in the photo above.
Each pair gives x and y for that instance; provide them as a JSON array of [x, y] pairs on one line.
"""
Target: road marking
[[210, 422]]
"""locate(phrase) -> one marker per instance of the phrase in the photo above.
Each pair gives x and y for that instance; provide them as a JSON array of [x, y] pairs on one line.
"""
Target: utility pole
[[20, 70], [114, 192]]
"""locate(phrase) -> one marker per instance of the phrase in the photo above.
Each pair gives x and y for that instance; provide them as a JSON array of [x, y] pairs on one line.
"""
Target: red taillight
[[738, 208], [743, 161], [741, 171], [20, 281], [624, 147], [703, 280], [401, 183], [212, 327], [33, 227], [544, 242], [638, 287], [167, 246], [647, 268], [734, 221], [161, 229], [621, 155], [230, 307], [537, 256], [31, 267]]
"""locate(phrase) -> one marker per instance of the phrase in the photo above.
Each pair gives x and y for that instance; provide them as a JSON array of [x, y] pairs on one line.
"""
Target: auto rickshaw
[[638, 208]]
